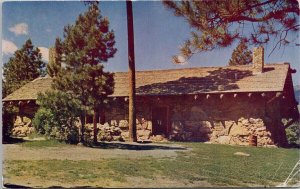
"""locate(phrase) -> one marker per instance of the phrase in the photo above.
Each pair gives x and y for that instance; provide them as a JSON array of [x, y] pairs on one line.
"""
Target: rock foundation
[[22, 127], [227, 132], [226, 121], [119, 130]]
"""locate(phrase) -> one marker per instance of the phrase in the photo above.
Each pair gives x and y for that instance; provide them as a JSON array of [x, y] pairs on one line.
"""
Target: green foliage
[[218, 24], [78, 64], [54, 65], [57, 116], [8, 114], [86, 46], [293, 134], [43, 121], [23, 67], [43, 143], [240, 55]]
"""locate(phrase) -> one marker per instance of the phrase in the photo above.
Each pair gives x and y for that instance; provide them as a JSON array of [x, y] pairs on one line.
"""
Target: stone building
[[226, 105]]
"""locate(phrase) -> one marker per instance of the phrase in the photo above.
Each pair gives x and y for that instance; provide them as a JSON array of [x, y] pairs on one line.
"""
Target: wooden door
[[160, 121]]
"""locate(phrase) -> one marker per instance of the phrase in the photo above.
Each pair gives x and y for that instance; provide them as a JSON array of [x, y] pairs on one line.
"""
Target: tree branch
[[264, 18]]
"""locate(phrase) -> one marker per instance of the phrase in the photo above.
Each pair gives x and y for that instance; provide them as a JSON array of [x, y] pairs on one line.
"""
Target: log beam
[[278, 94], [195, 97]]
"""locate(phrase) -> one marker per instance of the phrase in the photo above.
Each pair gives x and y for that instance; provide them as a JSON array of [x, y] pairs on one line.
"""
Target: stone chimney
[[258, 59]]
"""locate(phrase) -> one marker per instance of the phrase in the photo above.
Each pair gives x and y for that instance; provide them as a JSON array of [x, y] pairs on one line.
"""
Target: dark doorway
[[160, 121]]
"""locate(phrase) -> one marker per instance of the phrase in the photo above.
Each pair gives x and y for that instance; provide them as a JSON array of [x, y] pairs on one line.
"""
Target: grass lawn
[[211, 163], [42, 143]]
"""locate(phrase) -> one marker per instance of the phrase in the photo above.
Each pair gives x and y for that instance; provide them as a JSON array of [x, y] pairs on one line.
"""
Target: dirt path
[[108, 150]]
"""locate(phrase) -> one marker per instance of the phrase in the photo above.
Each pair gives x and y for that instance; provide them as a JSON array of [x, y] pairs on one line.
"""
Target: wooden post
[[95, 125], [131, 61], [21, 112]]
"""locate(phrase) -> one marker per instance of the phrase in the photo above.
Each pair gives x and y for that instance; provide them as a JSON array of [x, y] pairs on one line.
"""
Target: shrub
[[8, 113], [57, 116], [293, 134], [43, 121]]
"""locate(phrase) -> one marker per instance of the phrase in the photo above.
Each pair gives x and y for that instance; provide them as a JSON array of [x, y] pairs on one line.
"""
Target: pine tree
[[86, 46], [25, 66], [55, 58], [218, 24], [240, 55]]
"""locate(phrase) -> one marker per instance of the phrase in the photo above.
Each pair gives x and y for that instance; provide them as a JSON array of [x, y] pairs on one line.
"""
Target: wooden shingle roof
[[30, 90], [199, 80]]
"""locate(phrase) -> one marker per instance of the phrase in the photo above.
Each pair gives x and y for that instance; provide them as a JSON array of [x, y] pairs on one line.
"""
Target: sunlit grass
[[215, 164]]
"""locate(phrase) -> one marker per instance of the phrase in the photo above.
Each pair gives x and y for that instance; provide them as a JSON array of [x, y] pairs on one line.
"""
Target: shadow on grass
[[12, 140], [21, 186], [135, 146]]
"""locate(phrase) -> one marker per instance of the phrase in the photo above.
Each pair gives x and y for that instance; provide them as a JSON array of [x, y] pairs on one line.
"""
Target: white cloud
[[45, 53], [8, 47], [19, 29]]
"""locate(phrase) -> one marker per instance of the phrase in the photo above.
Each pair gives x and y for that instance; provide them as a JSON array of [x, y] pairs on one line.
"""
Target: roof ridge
[[206, 67]]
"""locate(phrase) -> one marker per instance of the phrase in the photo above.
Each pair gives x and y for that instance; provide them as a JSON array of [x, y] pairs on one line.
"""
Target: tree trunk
[[82, 120], [95, 125], [132, 116]]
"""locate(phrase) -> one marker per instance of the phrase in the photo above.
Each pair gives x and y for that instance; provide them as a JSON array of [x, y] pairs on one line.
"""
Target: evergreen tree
[[240, 55], [218, 24], [25, 66], [86, 46], [55, 58]]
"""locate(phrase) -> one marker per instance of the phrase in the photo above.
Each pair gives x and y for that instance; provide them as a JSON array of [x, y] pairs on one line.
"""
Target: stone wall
[[226, 121], [22, 126], [22, 122], [117, 118]]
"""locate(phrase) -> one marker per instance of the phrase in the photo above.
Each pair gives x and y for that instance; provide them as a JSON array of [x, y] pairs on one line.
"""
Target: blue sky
[[158, 34]]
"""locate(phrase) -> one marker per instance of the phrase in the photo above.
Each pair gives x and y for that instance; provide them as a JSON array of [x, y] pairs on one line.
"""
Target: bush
[[57, 116], [43, 121], [8, 113], [293, 134]]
